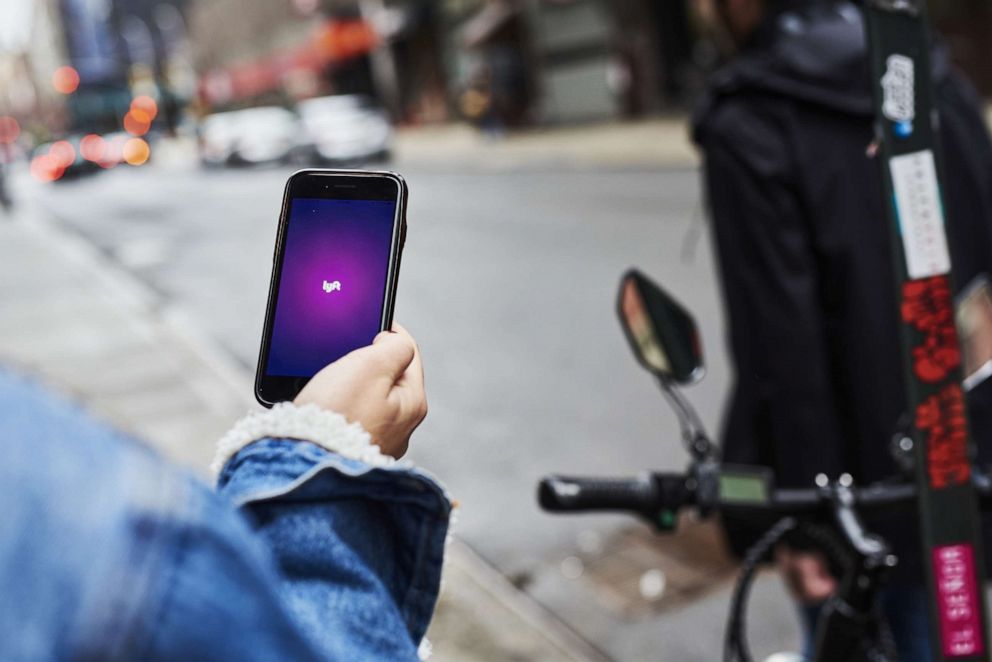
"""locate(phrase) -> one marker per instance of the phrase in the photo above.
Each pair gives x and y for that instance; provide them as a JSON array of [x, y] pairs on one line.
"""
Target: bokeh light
[[63, 152], [146, 104], [136, 151], [113, 150], [93, 147], [65, 80], [137, 122], [10, 130], [45, 168]]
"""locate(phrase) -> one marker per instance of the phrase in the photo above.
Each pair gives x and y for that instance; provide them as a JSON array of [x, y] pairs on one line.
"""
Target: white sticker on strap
[[921, 216]]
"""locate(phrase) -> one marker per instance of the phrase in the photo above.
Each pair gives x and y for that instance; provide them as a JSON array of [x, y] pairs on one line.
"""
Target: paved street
[[509, 278]]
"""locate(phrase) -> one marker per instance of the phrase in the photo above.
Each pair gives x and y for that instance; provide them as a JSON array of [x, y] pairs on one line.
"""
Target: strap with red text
[[899, 44]]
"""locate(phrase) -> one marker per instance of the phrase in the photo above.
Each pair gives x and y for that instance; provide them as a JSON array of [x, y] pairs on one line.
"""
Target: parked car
[[345, 128], [267, 134], [61, 159]]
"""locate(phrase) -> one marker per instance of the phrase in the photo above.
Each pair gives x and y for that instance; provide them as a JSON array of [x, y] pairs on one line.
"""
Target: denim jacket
[[108, 553]]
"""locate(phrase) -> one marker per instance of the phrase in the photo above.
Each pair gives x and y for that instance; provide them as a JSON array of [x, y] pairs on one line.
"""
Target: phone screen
[[332, 280]]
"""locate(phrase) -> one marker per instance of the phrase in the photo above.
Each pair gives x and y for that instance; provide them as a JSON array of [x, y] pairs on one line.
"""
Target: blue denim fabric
[[108, 553], [905, 607]]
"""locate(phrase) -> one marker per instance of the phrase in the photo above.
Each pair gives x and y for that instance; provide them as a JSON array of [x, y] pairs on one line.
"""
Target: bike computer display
[[745, 485]]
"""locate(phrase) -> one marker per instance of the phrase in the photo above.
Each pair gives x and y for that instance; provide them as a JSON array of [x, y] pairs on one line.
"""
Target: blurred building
[[25, 74], [534, 60], [121, 48], [108, 51], [499, 63], [514, 62], [280, 52], [547, 61]]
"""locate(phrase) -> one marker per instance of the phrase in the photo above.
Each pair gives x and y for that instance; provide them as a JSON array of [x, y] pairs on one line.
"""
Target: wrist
[[327, 429]]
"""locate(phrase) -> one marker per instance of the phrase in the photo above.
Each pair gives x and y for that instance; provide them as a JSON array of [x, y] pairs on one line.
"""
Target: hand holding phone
[[334, 274], [380, 386]]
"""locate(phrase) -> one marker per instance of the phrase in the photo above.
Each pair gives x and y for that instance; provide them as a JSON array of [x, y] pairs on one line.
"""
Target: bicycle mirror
[[662, 335]]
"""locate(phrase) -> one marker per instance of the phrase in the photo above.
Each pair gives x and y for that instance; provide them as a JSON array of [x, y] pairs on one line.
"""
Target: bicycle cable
[[735, 646]]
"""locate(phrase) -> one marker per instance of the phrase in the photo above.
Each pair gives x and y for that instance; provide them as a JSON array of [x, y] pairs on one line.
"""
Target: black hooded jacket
[[803, 244]]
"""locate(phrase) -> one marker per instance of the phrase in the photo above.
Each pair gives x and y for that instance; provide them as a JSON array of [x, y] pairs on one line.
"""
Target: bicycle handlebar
[[643, 494], [651, 493]]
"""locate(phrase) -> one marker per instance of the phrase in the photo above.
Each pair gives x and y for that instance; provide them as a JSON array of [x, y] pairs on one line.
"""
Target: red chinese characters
[[942, 418], [928, 307]]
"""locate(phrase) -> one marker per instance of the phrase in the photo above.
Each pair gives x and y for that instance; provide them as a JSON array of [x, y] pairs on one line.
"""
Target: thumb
[[395, 351]]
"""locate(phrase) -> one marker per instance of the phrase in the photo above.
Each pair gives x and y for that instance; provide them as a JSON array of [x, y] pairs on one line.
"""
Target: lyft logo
[[333, 286]]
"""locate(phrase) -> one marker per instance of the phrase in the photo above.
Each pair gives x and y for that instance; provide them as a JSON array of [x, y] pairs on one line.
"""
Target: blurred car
[[267, 134], [62, 158], [345, 128]]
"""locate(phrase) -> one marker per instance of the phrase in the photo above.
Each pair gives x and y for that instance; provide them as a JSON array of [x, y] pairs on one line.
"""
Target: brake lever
[[706, 478]]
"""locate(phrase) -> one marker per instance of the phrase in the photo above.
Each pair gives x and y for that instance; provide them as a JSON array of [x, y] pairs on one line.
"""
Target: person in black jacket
[[802, 240]]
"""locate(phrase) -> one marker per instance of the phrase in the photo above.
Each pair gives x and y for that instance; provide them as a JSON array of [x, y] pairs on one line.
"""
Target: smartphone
[[334, 273]]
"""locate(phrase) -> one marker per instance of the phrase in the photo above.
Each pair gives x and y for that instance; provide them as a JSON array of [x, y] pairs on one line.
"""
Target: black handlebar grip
[[645, 494]]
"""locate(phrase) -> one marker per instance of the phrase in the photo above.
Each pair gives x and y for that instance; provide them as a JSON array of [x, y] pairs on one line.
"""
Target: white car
[[345, 128], [267, 134]]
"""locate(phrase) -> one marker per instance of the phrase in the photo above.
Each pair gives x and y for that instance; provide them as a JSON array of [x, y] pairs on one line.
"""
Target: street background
[[546, 149]]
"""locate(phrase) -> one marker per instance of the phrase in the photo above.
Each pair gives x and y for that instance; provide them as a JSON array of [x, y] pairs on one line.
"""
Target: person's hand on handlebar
[[380, 386], [806, 573]]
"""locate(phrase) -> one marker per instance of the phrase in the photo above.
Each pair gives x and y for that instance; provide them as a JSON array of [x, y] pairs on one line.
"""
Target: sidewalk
[[661, 142], [655, 143], [90, 330]]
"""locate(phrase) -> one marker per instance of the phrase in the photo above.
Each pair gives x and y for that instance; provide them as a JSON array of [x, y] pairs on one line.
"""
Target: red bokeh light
[[10, 130], [45, 168], [93, 147], [137, 122], [63, 152], [146, 104], [114, 149], [65, 80]]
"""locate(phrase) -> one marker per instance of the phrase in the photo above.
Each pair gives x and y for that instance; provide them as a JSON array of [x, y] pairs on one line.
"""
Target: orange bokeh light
[[136, 151], [93, 147], [146, 104], [137, 122], [9, 130], [65, 80], [63, 152], [45, 168]]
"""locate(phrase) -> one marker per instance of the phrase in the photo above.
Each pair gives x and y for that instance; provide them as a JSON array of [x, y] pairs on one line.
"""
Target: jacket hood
[[809, 51]]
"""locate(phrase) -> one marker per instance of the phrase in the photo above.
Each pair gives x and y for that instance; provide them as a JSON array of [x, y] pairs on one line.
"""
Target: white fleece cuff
[[327, 429]]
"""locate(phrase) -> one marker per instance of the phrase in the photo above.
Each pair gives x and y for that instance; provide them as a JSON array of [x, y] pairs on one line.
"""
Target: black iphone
[[334, 272]]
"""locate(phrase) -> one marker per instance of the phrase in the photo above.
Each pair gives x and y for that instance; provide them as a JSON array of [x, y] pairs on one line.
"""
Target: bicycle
[[664, 338]]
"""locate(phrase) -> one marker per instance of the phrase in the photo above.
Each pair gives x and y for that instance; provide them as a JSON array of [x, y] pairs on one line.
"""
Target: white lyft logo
[[332, 286]]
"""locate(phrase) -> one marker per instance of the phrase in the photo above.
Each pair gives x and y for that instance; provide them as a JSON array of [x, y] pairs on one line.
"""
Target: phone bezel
[[327, 184]]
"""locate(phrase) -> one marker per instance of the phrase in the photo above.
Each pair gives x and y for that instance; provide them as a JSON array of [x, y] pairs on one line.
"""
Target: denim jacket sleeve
[[108, 553], [359, 548]]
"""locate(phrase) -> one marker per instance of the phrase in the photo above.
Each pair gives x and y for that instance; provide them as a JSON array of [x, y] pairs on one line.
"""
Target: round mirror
[[661, 333]]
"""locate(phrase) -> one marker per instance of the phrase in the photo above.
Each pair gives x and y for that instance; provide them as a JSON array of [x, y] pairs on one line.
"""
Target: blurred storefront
[[83, 61], [119, 49], [505, 62], [305, 48], [500, 63], [551, 61]]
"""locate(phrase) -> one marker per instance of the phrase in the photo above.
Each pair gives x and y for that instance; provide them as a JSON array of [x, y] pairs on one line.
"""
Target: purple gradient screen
[[333, 282]]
